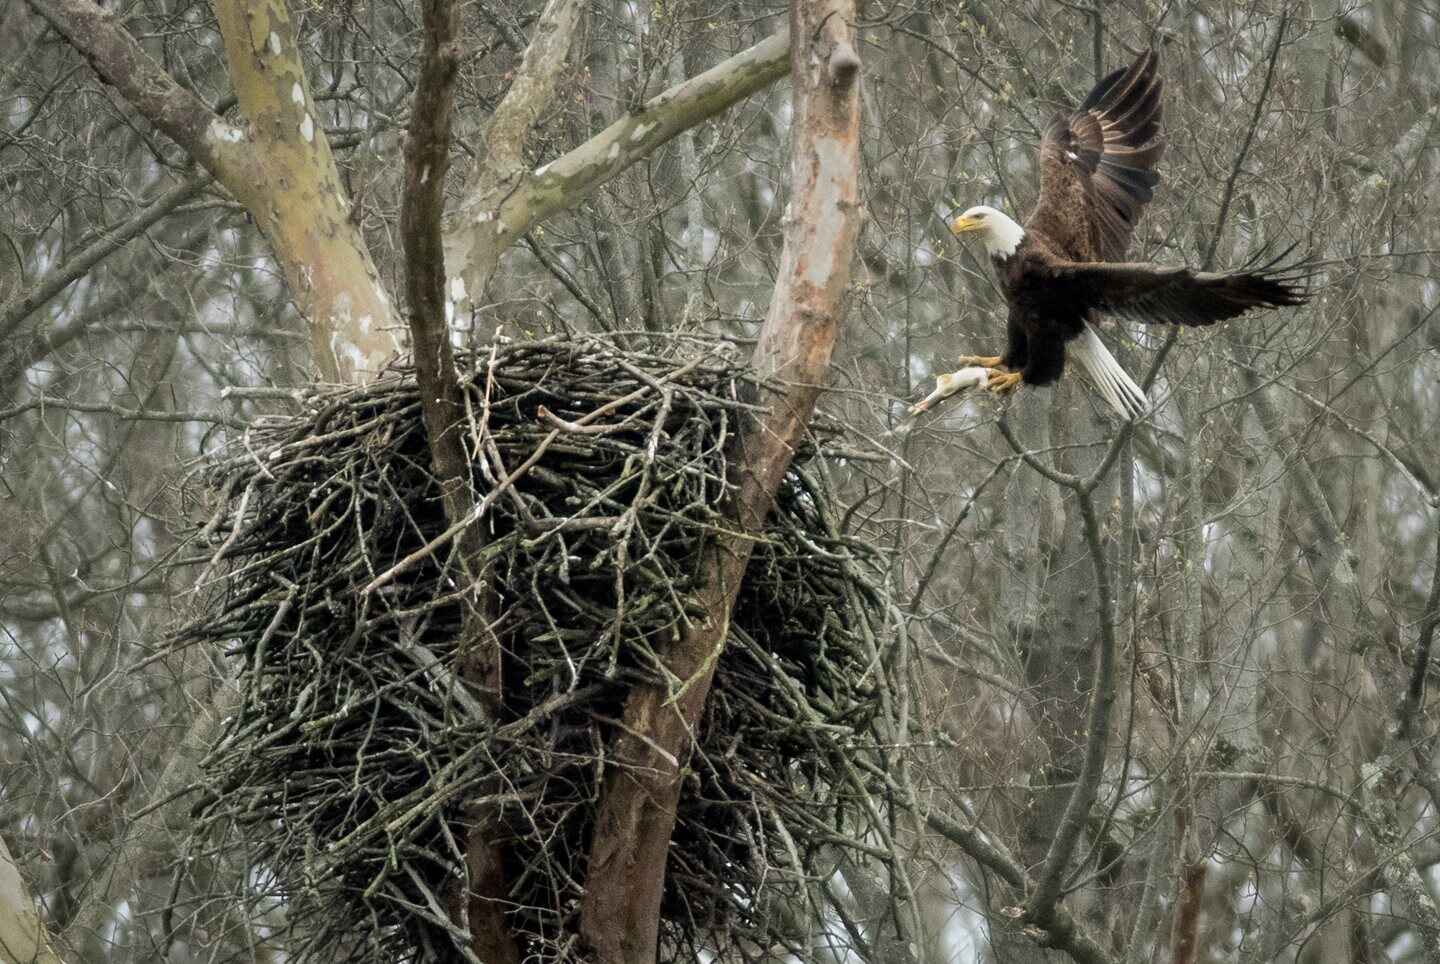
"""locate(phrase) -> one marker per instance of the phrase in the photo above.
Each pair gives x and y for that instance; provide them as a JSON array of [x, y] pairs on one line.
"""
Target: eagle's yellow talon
[[984, 361], [1002, 382]]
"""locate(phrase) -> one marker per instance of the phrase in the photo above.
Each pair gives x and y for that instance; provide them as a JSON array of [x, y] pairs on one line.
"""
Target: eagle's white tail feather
[[1125, 397]]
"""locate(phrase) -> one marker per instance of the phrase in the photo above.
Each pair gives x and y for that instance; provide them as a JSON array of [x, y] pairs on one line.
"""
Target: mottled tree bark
[[279, 166], [620, 915]]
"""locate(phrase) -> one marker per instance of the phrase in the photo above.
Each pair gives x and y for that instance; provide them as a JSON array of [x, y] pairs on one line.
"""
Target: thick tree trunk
[[620, 916]]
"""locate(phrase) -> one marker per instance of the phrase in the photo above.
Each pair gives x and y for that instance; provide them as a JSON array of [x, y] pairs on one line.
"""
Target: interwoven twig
[[358, 752]]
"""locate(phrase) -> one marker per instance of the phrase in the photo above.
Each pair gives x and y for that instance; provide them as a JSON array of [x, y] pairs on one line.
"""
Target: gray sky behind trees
[[1264, 787]]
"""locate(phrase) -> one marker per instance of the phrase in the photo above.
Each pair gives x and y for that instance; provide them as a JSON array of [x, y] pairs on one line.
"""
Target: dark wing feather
[[1097, 165], [1179, 296]]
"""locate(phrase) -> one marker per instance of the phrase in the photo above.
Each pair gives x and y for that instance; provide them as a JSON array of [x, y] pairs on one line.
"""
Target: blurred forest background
[[1270, 533]]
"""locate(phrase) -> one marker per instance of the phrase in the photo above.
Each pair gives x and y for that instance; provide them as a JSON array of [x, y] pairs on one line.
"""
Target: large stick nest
[[359, 756]]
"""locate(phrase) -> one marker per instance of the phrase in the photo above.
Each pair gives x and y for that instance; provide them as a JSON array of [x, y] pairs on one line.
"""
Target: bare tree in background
[[1175, 675], [1255, 801]]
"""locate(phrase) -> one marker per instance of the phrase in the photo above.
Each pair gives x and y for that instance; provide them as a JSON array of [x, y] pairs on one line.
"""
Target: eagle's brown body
[[1063, 269], [1096, 177]]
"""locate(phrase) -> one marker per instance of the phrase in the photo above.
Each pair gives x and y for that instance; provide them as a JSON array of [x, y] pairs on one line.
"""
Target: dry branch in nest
[[358, 756]]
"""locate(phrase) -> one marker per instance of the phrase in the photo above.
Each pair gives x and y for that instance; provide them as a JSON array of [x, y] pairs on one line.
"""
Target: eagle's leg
[[1002, 382], [984, 361]]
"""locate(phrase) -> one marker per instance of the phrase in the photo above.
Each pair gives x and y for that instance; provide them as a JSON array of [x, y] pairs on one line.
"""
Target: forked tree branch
[[476, 239], [121, 62], [620, 913], [530, 92], [280, 169], [502, 205], [1042, 908], [1061, 931]]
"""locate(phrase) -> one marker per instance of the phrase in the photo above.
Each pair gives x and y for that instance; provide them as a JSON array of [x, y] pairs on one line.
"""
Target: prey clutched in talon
[[952, 384], [1066, 268], [998, 380]]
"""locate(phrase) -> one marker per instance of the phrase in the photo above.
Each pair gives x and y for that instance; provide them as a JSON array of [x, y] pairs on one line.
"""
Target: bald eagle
[[1062, 270]]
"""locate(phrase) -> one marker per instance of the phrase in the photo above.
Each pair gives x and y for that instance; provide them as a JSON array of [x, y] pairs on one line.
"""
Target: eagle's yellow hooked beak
[[962, 224]]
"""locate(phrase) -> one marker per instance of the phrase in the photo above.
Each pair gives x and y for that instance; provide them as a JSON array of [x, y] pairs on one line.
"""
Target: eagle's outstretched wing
[[1097, 165], [1179, 296]]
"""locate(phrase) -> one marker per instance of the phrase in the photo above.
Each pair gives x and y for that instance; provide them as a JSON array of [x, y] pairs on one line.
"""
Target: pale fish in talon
[[950, 384]]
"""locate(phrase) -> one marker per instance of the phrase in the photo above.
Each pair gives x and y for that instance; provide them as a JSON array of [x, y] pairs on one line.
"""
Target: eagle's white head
[[999, 232]]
